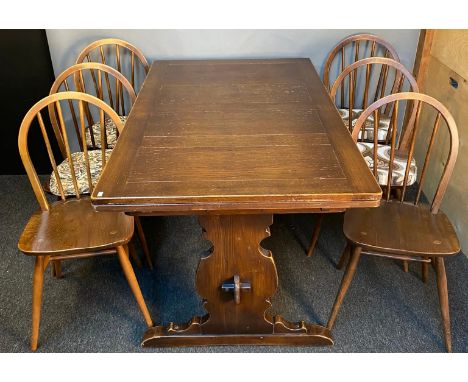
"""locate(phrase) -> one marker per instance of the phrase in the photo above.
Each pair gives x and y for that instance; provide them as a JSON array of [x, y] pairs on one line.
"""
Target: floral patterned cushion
[[382, 129], [79, 164], [383, 157], [111, 132]]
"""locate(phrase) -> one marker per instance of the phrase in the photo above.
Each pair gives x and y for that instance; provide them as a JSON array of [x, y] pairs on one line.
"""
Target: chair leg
[[132, 281], [38, 284], [443, 299], [405, 266], [425, 271], [142, 238], [134, 254], [57, 269], [344, 257], [315, 235], [348, 276]]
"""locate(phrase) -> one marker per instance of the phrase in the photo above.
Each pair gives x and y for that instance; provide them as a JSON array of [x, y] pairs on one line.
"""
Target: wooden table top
[[234, 136]]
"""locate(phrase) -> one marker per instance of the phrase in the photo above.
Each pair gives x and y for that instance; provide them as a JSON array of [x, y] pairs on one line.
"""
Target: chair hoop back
[[442, 113], [399, 67], [389, 52], [35, 113], [85, 54], [115, 97], [74, 69], [350, 73]]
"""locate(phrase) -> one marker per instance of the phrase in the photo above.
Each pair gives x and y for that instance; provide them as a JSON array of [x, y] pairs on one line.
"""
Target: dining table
[[235, 142]]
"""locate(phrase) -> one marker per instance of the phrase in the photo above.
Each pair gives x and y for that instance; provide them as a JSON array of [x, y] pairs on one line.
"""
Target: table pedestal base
[[236, 281], [192, 335]]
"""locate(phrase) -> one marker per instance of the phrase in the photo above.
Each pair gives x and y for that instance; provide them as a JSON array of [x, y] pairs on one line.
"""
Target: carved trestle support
[[236, 281]]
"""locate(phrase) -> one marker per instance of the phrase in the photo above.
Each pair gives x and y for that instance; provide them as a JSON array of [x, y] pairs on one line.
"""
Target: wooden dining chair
[[103, 82], [406, 229], [56, 231], [359, 76], [361, 91], [108, 85], [354, 48], [121, 55]]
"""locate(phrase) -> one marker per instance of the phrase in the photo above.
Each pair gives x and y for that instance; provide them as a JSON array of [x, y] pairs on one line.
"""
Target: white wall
[[197, 44]]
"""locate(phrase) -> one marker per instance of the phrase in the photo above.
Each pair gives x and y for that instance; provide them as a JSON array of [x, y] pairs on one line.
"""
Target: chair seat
[[74, 226], [79, 164], [111, 133], [401, 228], [383, 157], [382, 129]]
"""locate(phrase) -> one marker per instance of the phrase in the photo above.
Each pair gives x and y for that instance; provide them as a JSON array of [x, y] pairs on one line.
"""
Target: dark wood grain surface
[[230, 138], [415, 231], [60, 231], [237, 311], [238, 136]]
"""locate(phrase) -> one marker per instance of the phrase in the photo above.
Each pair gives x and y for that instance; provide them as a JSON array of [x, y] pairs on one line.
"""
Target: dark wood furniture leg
[[315, 235], [236, 281], [57, 269], [133, 253], [344, 257], [443, 299], [425, 271], [144, 244], [348, 276]]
